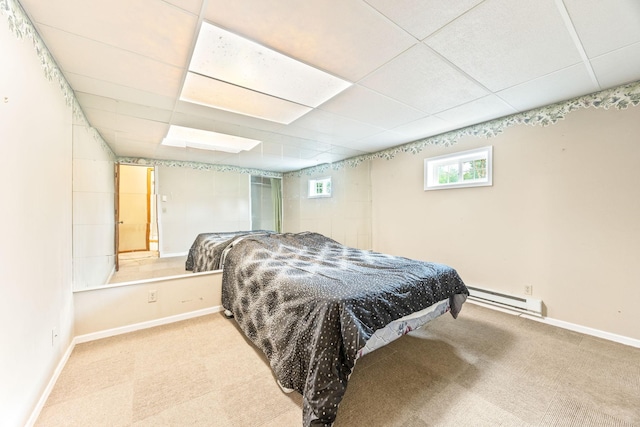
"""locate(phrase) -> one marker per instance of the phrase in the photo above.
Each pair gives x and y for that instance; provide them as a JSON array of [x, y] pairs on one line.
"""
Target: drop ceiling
[[415, 68]]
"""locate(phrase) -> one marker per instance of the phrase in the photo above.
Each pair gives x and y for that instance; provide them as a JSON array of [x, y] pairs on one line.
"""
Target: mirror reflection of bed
[[141, 253]]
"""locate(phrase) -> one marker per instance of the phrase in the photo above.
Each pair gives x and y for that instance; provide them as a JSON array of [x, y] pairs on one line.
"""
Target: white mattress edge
[[402, 326]]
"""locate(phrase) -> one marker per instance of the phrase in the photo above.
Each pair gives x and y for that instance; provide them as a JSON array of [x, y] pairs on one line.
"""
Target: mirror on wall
[[166, 206], [136, 226], [158, 221]]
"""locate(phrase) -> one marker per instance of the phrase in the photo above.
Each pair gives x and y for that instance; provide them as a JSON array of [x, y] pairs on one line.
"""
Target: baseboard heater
[[526, 305]]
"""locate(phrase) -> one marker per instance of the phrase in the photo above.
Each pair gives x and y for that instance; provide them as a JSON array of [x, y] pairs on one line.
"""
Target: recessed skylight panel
[[180, 136], [225, 56], [211, 92]]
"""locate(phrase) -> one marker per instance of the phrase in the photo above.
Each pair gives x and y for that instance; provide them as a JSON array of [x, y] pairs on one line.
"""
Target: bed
[[206, 249], [314, 306]]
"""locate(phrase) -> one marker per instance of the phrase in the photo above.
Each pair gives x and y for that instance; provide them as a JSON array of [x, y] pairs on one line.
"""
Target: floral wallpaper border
[[196, 165], [620, 97], [22, 27]]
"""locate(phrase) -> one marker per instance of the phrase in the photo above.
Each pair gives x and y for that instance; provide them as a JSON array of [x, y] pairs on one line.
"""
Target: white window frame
[[325, 188], [432, 164]]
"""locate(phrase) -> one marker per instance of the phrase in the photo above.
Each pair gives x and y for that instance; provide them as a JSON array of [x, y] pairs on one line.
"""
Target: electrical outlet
[[528, 289], [153, 296], [54, 336]]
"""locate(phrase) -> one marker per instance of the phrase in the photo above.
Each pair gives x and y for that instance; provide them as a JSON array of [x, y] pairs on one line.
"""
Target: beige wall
[[199, 201], [562, 216], [345, 216], [110, 307], [35, 225]]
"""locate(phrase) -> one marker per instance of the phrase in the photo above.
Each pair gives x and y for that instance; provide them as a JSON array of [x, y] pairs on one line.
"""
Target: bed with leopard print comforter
[[310, 304], [206, 249]]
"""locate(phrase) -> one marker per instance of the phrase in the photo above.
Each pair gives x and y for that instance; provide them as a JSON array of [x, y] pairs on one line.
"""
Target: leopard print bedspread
[[310, 304], [206, 249]]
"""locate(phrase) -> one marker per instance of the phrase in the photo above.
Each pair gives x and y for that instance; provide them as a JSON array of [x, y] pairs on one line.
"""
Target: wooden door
[[133, 209], [117, 212]]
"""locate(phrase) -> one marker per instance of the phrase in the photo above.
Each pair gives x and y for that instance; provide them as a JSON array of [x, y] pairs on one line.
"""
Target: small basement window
[[320, 187], [471, 168]]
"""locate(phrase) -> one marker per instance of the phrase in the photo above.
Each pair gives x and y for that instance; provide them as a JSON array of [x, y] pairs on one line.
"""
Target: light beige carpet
[[486, 368]]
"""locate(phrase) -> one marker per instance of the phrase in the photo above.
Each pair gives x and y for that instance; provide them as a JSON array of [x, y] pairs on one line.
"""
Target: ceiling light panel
[[215, 93], [225, 56], [180, 136], [346, 38]]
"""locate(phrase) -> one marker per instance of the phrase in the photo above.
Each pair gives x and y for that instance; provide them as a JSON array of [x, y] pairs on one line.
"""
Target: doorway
[[137, 234]]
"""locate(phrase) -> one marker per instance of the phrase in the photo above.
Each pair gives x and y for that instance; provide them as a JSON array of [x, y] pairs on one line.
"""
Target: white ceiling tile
[[555, 87], [192, 6], [115, 91], [187, 111], [346, 38], [189, 154], [152, 28], [380, 141], [604, 26], [337, 127], [422, 17], [267, 162], [421, 79], [618, 67], [269, 148], [134, 151], [330, 157], [134, 148], [112, 64], [344, 151], [478, 111], [124, 108], [502, 43], [423, 128], [298, 152], [97, 102], [365, 105], [126, 126]]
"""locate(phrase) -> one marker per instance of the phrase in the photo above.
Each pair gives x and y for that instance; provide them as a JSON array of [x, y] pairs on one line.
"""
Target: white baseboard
[[52, 382], [172, 254], [566, 325], [144, 325], [587, 331]]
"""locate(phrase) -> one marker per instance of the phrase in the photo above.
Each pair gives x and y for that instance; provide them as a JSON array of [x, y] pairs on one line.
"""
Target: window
[[464, 169], [320, 187]]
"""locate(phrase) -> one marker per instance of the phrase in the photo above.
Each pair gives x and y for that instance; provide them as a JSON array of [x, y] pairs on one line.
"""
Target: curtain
[[276, 198]]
